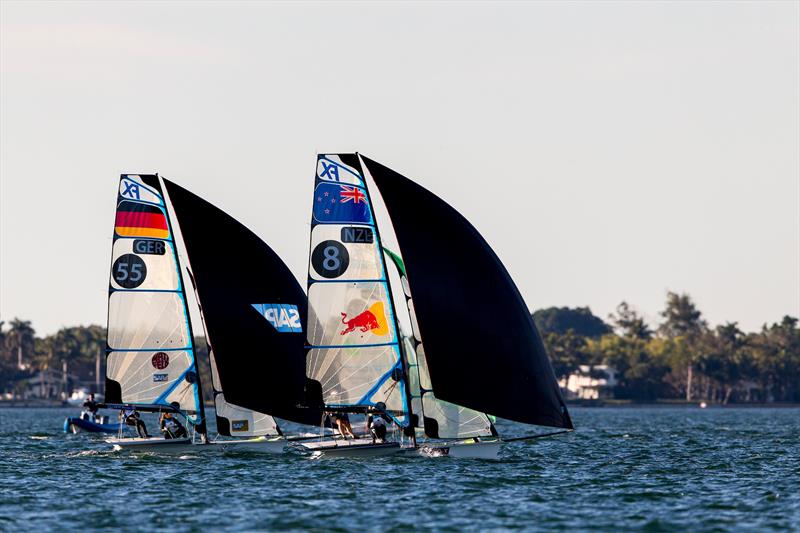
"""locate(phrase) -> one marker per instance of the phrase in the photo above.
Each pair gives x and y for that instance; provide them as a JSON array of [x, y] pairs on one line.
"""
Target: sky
[[606, 151]]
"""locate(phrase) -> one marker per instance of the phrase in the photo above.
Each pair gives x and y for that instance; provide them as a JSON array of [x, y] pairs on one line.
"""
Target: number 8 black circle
[[129, 271], [330, 259]]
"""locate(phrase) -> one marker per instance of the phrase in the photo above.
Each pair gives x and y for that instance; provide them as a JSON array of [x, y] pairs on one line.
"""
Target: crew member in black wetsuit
[[377, 427], [171, 427], [132, 418]]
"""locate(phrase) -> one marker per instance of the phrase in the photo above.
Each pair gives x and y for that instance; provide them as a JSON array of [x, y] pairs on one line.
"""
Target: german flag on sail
[[135, 219]]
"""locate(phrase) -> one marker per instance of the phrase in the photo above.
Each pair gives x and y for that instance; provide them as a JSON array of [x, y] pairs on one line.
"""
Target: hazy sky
[[607, 151]]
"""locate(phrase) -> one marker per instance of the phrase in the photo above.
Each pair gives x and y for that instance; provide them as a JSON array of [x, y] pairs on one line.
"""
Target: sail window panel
[[145, 376], [356, 313], [422, 365], [186, 395], [413, 316], [454, 421], [344, 252], [331, 168], [131, 187], [245, 422], [347, 375], [146, 320], [214, 373], [143, 264]]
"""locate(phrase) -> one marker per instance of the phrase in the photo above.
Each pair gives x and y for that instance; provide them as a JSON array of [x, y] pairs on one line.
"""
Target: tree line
[[682, 358]]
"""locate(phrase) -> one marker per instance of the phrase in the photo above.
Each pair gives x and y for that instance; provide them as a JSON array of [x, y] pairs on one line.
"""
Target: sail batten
[[478, 333]]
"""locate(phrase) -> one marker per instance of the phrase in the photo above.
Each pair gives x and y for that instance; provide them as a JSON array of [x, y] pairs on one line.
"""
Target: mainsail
[[354, 358], [440, 419], [253, 309], [150, 356], [480, 344]]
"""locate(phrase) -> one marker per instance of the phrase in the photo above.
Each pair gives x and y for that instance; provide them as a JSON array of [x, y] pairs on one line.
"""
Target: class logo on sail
[[285, 318], [372, 320], [135, 219], [341, 203]]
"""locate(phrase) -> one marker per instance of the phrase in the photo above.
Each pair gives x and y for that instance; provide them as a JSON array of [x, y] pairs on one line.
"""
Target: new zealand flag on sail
[[341, 203]]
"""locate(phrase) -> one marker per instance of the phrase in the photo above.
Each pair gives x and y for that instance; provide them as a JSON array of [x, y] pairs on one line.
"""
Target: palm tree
[[21, 338]]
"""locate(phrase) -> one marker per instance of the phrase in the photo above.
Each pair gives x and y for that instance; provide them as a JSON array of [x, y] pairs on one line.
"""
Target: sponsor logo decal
[[129, 271], [131, 190], [148, 247], [157, 378], [330, 259], [240, 425], [285, 318], [160, 360], [372, 320]]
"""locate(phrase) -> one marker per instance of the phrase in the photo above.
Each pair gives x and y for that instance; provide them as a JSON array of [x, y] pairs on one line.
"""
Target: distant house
[[590, 383], [49, 384]]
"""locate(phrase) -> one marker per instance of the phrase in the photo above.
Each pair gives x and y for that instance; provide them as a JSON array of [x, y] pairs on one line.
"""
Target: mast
[[201, 427]]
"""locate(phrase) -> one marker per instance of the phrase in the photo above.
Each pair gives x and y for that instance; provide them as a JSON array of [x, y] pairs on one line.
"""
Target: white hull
[[153, 444], [462, 450], [351, 448], [254, 445]]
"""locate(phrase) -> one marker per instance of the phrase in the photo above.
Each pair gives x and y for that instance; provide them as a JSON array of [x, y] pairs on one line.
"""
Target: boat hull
[[76, 424], [351, 448], [462, 450], [255, 445], [154, 444]]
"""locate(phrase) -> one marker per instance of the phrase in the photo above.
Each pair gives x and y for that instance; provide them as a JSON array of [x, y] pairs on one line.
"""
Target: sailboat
[[250, 305], [481, 351], [150, 355], [252, 310], [354, 362]]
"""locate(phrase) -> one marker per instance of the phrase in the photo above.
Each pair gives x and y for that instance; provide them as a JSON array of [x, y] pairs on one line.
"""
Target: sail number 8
[[330, 259], [129, 271]]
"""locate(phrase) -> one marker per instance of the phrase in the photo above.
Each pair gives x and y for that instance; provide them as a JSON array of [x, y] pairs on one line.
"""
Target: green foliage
[[560, 320], [685, 359]]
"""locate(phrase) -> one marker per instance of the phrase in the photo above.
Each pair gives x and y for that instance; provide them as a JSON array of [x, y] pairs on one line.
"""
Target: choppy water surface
[[625, 468]]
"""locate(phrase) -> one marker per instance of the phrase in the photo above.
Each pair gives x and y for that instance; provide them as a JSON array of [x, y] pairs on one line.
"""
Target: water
[[656, 469]]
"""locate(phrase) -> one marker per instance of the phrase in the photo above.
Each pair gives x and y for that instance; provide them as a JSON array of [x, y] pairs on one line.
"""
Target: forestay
[[150, 356], [354, 354]]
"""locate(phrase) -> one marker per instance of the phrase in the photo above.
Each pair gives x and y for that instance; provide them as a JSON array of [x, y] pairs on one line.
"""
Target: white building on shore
[[590, 383]]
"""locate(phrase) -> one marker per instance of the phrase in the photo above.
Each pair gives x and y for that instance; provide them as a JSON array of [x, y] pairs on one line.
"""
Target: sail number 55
[[129, 271]]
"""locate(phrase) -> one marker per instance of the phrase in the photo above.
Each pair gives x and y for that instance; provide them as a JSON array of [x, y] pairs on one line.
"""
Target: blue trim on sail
[[185, 349], [334, 346]]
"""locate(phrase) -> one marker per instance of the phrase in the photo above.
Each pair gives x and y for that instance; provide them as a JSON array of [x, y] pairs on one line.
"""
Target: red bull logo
[[372, 320]]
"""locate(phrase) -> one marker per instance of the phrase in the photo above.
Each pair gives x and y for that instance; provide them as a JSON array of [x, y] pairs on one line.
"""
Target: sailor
[[132, 418], [171, 427], [90, 406], [342, 423], [377, 426]]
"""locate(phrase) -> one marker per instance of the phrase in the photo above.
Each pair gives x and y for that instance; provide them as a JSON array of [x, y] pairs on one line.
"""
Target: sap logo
[[240, 425], [285, 318], [157, 378]]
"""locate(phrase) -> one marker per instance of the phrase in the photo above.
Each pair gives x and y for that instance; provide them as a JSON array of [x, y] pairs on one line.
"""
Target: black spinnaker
[[253, 309], [483, 350]]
